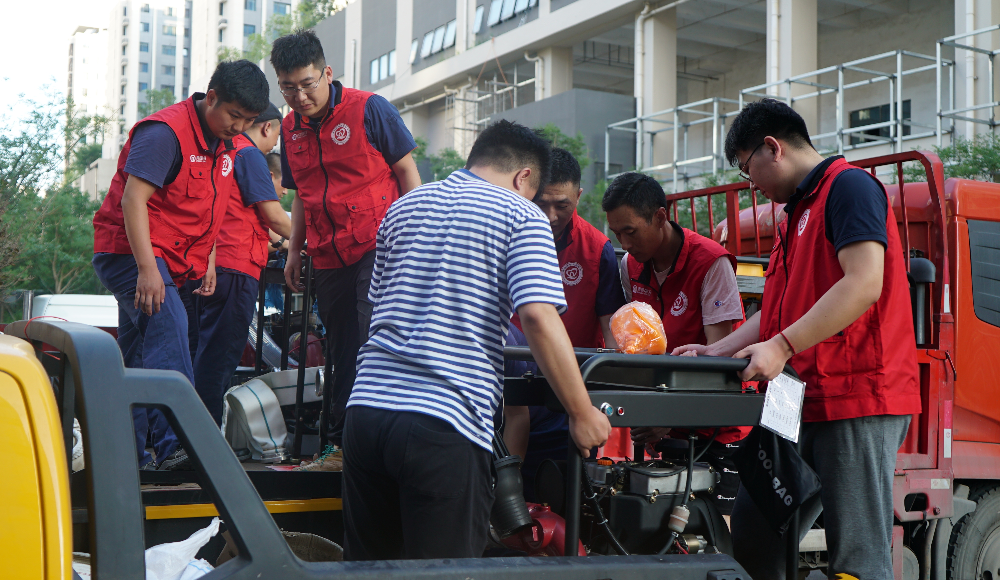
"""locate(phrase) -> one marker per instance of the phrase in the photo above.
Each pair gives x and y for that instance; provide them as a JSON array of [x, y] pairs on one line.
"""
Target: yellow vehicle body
[[35, 522]]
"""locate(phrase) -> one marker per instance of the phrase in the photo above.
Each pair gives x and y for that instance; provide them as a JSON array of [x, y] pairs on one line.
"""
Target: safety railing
[[704, 154], [967, 113]]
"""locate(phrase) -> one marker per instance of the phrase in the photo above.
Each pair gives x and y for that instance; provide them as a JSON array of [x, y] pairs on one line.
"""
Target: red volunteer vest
[[344, 183], [678, 301], [243, 243], [185, 215], [870, 367], [580, 265]]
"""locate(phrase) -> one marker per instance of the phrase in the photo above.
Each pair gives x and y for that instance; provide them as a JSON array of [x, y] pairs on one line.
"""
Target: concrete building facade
[[88, 68], [148, 48], [228, 24], [452, 66]]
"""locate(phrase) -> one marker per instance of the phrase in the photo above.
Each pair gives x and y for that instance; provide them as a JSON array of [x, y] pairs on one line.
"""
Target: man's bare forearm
[[553, 352], [298, 237]]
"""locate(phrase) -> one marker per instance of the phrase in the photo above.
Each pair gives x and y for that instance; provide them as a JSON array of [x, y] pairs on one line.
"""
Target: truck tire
[[974, 550]]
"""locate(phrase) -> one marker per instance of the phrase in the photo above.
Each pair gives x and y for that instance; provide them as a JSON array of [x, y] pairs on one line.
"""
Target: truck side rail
[[105, 391]]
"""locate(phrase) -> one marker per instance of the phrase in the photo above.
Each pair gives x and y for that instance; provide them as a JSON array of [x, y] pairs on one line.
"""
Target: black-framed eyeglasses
[[745, 168], [291, 91]]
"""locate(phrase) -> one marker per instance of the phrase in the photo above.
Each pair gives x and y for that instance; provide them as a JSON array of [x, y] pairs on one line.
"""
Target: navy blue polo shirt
[[856, 207], [155, 156], [383, 126]]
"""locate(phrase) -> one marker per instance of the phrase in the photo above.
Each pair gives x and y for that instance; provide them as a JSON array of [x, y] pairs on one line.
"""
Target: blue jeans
[[223, 327], [159, 341]]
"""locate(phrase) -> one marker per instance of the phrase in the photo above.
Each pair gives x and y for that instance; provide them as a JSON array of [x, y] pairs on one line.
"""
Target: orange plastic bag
[[638, 329]]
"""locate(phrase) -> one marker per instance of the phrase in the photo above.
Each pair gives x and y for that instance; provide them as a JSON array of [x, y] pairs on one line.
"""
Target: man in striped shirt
[[453, 260]]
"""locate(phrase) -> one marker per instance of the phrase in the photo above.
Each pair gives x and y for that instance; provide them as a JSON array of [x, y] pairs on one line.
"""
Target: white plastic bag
[[176, 560]]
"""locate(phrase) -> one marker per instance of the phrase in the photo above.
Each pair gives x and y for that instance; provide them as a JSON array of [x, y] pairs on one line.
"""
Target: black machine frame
[[93, 384]]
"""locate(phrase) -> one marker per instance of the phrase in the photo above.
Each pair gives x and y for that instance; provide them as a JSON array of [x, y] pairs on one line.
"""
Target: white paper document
[[782, 412]]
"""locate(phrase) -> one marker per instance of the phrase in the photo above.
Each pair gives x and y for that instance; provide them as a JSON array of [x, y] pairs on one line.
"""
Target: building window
[[143, 47], [145, 27], [872, 116], [169, 30], [478, 24], [123, 70], [438, 40], [85, 91], [187, 33], [425, 49], [145, 7], [123, 51], [124, 30], [169, 88], [374, 72], [222, 8], [185, 90], [187, 13], [383, 67], [220, 36], [413, 50], [185, 52], [124, 10], [123, 110], [123, 89], [143, 67], [449, 34], [168, 70], [508, 10], [169, 49], [143, 86], [494, 16], [520, 6], [250, 4], [170, 11], [249, 29], [282, 8]]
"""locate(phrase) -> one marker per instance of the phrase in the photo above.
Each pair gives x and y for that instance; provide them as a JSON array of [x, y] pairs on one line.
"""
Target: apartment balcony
[[223, 23]]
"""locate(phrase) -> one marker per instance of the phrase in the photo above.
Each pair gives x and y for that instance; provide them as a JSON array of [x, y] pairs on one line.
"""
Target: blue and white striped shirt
[[453, 260]]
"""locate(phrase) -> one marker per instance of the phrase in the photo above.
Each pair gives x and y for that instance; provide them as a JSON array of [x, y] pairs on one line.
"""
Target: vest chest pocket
[[364, 211], [301, 156], [834, 365], [199, 183]]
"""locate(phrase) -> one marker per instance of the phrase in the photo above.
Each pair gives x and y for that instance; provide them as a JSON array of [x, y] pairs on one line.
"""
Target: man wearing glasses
[[347, 154], [837, 308]]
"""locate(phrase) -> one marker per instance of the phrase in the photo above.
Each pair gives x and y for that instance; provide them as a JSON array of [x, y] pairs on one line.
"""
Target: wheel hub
[[988, 563]]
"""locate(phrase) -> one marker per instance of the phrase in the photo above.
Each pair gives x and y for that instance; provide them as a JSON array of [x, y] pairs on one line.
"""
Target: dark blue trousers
[[223, 327], [159, 341]]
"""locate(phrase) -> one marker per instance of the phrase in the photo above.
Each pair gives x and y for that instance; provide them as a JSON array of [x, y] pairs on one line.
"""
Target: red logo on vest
[[227, 165], [803, 221], [341, 133], [680, 305], [572, 273]]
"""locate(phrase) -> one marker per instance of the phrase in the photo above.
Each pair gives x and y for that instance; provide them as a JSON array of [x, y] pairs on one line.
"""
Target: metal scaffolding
[[962, 113], [898, 65], [470, 109]]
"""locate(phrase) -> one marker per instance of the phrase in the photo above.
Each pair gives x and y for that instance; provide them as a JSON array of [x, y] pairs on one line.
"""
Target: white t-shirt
[[720, 296]]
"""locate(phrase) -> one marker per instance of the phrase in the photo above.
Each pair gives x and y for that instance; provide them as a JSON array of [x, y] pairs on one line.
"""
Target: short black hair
[[638, 191], [297, 50], [765, 118], [274, 163], [243, 82], [564, 168], [507, 146]]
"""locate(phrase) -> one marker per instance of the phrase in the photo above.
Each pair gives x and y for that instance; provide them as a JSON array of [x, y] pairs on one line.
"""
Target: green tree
[[577, 146], [84, 156], [977, 158], [57, 248], [31, 157], [84, 138], [308, 14], [437, 166], [156, 100]]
